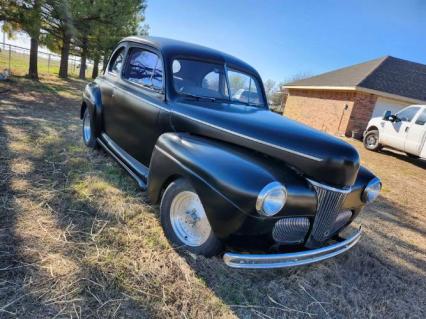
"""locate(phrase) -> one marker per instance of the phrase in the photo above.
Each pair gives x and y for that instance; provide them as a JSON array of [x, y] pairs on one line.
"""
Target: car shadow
[[420, 162]]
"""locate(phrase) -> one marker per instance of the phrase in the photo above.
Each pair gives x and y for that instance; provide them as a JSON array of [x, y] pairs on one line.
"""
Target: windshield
[[206, 80]]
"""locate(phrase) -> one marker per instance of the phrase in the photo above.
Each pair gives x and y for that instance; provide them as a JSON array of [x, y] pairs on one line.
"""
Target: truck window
[[407, 114], [421, 120]]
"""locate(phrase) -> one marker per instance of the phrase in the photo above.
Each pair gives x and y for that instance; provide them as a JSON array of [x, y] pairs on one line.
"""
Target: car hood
[[317, 155]]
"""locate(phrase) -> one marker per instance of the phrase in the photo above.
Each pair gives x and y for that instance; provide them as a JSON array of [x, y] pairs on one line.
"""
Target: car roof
[[416, 105], [172, 48]]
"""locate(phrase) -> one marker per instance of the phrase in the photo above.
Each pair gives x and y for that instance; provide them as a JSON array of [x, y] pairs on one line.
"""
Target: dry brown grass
[[77, 238]]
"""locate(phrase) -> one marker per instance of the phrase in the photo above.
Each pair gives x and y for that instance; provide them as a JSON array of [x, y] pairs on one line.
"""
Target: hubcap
[[87, 132], [189, 220], [371, 140]]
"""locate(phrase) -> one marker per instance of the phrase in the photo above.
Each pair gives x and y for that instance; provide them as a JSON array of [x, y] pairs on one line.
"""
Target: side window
[[407, 114], [211, 81], [116, 62], [243, 88], [144, 68], [421, 120]]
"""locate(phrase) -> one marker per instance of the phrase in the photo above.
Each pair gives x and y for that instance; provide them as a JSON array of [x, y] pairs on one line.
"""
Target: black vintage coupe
[[193, 128]]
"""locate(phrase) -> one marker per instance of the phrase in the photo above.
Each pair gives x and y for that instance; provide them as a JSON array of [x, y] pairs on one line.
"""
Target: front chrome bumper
[[268, 261]]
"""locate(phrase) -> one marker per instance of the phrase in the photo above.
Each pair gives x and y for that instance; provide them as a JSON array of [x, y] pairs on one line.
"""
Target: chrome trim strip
[[268, 261], [330, 188], [248, 137]]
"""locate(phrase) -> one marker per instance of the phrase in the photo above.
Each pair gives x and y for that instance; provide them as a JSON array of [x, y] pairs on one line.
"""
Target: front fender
[[227, 178], [92, 99]]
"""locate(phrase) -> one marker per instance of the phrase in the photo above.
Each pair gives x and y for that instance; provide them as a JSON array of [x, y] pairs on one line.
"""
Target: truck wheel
[[88, 130], [185, 222], [371, 141]]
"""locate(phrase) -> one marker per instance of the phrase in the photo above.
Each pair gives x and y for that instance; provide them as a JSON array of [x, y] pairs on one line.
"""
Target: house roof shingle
[[387, 74]]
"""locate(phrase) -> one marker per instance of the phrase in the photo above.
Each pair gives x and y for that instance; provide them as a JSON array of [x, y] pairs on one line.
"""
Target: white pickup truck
[[404, 131]]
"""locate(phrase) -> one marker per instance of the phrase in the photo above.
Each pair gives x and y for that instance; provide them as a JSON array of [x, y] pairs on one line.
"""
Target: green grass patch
[[19, 63]]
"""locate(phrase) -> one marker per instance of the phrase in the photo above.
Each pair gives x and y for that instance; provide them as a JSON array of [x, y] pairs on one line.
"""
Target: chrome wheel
[[372, 141], [87, 129], [189, 220]]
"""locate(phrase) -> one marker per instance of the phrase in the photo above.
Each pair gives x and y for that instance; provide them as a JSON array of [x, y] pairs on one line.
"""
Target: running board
[[141, 183]]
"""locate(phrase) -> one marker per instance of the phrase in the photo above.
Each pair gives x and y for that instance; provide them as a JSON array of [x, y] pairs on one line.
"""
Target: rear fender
[[92, 100]]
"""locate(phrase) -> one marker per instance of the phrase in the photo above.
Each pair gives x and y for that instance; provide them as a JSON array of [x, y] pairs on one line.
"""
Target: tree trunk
[[104, 62], [33, 71], [83, 60], [65, 53], [95, 70]]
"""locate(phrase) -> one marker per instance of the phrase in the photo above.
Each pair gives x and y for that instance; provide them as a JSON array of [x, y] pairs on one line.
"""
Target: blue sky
[[285, 38]]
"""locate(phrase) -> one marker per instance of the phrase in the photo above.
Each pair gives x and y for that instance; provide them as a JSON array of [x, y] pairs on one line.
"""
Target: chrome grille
[[329, 205], [291, 230]]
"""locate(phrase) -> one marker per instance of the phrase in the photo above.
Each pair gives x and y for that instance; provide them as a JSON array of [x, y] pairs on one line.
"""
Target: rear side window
[[407, 114], [243, 88], [421, 120], [144, 68], [117, 61], [211, 81]]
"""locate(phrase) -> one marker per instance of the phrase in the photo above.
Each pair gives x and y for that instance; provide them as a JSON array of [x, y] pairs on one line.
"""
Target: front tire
[[371, 141], [185, 222], [89, 137]]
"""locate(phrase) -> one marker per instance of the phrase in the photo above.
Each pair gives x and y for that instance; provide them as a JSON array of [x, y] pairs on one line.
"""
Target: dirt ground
[[78, 239]]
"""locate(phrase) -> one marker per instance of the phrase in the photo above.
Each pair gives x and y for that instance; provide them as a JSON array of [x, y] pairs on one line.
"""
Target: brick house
[[344, 100]]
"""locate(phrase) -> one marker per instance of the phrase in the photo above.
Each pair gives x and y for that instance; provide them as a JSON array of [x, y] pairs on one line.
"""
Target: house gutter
[[356, 89]]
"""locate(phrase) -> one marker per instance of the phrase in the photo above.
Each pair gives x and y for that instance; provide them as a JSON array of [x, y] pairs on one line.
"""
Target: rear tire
[[88, 131], [184, 220], [371, 141]]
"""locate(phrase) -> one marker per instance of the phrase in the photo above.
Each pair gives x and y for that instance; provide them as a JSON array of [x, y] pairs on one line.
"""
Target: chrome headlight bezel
[[265, 204], [371, 191]]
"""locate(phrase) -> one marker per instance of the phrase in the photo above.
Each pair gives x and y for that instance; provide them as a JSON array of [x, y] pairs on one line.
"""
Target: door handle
[[406, 129]]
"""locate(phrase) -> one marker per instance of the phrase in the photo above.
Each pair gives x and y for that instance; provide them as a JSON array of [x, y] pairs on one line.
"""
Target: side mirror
[[393, 118], [387, 115]]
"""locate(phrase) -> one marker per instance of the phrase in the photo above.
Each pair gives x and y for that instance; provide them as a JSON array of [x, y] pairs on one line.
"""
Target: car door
[[139, 99], [416, 134], [108, 83], [394, 133]]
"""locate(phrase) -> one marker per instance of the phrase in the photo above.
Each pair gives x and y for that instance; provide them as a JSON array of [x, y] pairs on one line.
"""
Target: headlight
[[371, 191], [271, 199]]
